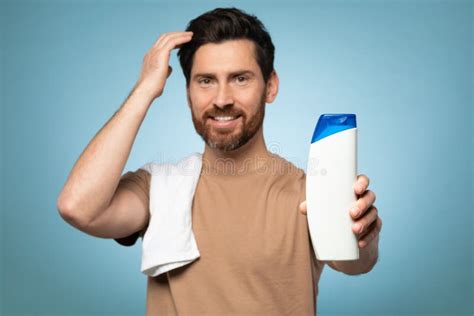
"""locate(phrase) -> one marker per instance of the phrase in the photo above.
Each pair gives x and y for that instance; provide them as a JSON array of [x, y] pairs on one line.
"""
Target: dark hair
[[224, 24]]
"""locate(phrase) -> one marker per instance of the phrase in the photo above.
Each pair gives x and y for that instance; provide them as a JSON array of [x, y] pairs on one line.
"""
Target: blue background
[[404, 67]]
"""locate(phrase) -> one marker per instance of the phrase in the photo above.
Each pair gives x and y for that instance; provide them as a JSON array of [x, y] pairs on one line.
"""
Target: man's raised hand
[[156, 69]]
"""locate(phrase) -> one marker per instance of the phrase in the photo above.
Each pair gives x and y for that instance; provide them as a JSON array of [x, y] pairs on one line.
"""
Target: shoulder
[[286, 170], [290, 176], [188, 163]]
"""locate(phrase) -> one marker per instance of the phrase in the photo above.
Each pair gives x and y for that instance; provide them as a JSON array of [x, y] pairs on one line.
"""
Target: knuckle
[[375, 211], [376, 232], [374, 219], [364, 228], [161, 52], [371, 233], [376, 229], [368, 227], [160, 38], [374, 197], [367, 237]]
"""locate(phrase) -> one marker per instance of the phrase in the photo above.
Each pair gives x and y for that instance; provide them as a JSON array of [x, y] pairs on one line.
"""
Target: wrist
[[146, 90], [138, 101]]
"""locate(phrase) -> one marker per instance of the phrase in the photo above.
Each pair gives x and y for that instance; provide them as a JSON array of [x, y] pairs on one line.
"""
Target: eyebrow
[[232, 74]]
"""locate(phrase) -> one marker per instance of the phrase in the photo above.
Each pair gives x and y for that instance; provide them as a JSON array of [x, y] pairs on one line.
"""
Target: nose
[[223, 96]]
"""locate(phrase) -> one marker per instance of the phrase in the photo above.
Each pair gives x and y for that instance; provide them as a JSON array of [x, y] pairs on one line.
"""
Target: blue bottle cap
[[329, 124]]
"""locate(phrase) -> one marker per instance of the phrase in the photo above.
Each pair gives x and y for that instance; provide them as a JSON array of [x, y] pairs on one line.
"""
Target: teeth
[[224, 118]]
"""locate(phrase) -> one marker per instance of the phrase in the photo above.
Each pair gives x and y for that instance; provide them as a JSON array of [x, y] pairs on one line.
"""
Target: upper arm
[[127, 215]]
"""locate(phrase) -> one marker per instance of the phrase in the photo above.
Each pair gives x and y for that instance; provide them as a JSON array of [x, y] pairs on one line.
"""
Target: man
[[256, 254]]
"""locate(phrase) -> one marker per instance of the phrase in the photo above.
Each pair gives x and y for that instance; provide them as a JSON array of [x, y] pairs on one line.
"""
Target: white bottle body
[[330, 178]]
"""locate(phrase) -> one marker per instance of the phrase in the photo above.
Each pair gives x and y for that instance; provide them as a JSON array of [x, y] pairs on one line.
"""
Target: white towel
[[169, 242]]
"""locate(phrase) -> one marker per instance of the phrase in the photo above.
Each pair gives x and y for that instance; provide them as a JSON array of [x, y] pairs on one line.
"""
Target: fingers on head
[[172, 39], [163, 37]]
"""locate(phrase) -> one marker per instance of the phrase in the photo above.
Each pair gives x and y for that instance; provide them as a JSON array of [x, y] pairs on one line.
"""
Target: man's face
[[226, 94]]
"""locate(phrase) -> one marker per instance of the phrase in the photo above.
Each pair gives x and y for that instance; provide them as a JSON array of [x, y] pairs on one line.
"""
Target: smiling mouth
[[224, 118], [224, 123]]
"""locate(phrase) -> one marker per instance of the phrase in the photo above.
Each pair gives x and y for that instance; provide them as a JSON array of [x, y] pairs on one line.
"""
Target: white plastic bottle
[[330, 177]]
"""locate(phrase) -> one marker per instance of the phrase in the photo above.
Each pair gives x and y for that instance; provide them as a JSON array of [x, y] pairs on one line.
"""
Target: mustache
[[230, 112]]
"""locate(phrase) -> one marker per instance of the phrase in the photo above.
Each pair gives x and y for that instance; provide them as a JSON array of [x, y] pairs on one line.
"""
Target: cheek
[[199, 102], [249, 100], [203, 97], [245, 96]]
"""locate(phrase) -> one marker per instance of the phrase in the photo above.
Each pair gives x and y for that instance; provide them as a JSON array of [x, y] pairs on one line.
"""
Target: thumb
[[303, 207]]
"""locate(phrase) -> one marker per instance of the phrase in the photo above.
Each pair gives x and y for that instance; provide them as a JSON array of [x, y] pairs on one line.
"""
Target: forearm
[[367, 259], [95, 175]]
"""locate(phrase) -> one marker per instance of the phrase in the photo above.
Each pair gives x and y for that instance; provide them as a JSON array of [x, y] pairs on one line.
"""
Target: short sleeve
[[137, 181]]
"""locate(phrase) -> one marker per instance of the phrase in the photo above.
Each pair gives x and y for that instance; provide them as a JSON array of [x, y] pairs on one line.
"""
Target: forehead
[[225, 57]]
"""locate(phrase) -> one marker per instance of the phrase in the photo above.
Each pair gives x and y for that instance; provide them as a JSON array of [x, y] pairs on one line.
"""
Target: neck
[[249, 156]]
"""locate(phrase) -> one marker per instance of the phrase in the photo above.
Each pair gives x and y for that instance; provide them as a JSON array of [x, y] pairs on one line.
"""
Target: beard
[[235, 138]]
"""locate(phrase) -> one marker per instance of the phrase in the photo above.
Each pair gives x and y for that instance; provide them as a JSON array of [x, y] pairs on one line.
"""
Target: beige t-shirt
[[256, 254]]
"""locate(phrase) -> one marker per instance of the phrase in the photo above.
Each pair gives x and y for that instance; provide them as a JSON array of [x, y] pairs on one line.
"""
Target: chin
[[226, 143]]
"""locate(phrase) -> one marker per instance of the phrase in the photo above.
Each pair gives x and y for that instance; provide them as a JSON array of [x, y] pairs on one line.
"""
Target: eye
[[204, 81], [241, 79]]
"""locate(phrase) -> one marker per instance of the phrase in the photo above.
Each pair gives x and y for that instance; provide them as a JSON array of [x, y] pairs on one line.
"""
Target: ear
[[272, 87]]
